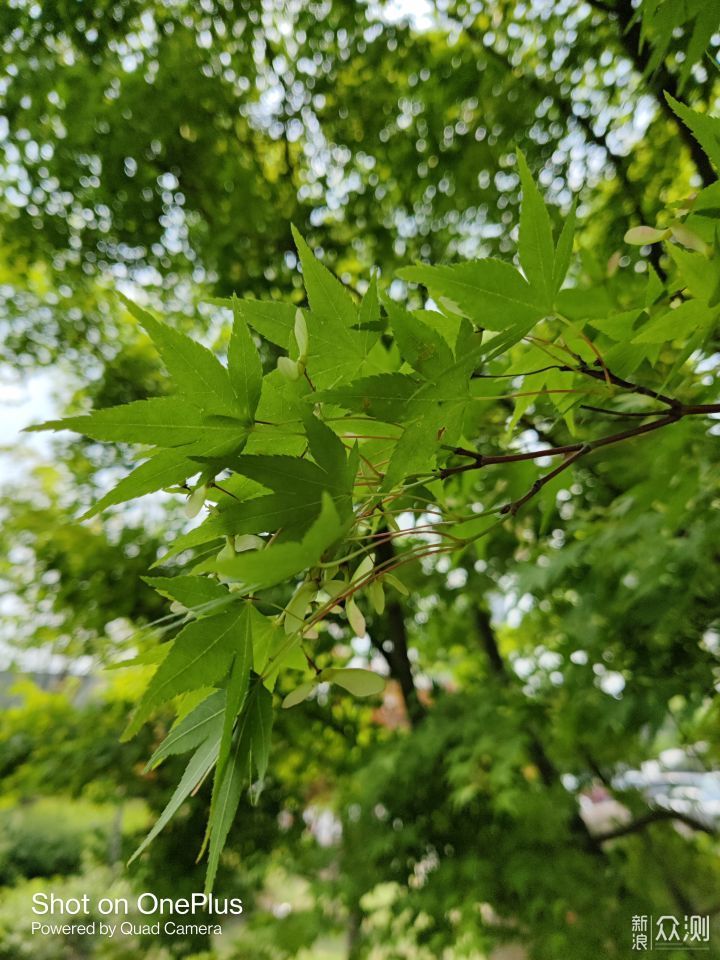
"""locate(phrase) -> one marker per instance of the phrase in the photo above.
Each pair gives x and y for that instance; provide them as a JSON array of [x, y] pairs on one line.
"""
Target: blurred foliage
[[173, 144], [163, 149], [17, 943], [46, 839]]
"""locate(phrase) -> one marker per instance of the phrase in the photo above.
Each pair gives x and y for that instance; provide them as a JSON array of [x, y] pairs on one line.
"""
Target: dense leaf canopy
[[447, 450]]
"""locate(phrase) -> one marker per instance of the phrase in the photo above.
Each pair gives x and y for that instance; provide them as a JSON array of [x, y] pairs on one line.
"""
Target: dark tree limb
[[548, 771], [490, 644], [660, 82], [548, 87], [500, 672], [676, 410], [396, 656], [654, 816], [513, 507]]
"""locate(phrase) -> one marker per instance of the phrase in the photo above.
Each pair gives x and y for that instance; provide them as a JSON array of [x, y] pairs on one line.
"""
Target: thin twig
[[513, 507], [622, 413], [654, 816], [677, 412]]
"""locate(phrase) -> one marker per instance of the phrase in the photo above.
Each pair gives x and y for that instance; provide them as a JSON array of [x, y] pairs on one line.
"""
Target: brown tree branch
[[513, 507], [654, 816], [607, 375], [502, 675], [480, 460], [548, 771], [548, 87], [397, 655], [575, 451], [660, 82]]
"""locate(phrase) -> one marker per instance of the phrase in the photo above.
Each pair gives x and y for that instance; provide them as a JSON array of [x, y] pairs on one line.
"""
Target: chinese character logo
[[667, 932], [639, 933], [697, 929]]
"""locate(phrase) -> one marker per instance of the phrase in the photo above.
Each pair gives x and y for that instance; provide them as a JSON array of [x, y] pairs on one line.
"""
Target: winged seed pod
[[376, 593], [297, 607], [333, 588], [298, 695], [247, 541], [393, 581], [301, 334], [639, 236], [358, 682], [364, 568], [450, 306], [355, 618], [228, 551], [288, 368], [688, 238], [195, 501]]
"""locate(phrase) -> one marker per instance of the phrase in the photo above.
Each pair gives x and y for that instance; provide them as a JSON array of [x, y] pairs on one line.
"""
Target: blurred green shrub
[[50, 837], [17, 942]]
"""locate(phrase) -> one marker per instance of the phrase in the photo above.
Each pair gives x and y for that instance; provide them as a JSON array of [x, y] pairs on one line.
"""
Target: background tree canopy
[[478, 459]]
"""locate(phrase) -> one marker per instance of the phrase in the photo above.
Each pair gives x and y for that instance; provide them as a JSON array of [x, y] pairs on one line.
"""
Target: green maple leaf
[[230, 730], [535, 239], [165, 469], [198, 594], [257, 515], [244, 367], [248, 752], [705, 129], [492, 293], [564, 249], [272, 319], [297, 487], [258, 569], [166, 422], [420, 346], [337, 350], [382, 397], [161, 421], [236, 687], [200, 764], [202, 722], [199, 656], [196, 372]]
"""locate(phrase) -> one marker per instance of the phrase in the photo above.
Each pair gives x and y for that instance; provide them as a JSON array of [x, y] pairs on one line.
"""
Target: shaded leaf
[[165, 469], [198, 374], [199, 766], [204, 722], [283, 561], [491, 292], [705, 129], [361, 683], [535, 243], [244, 367]]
